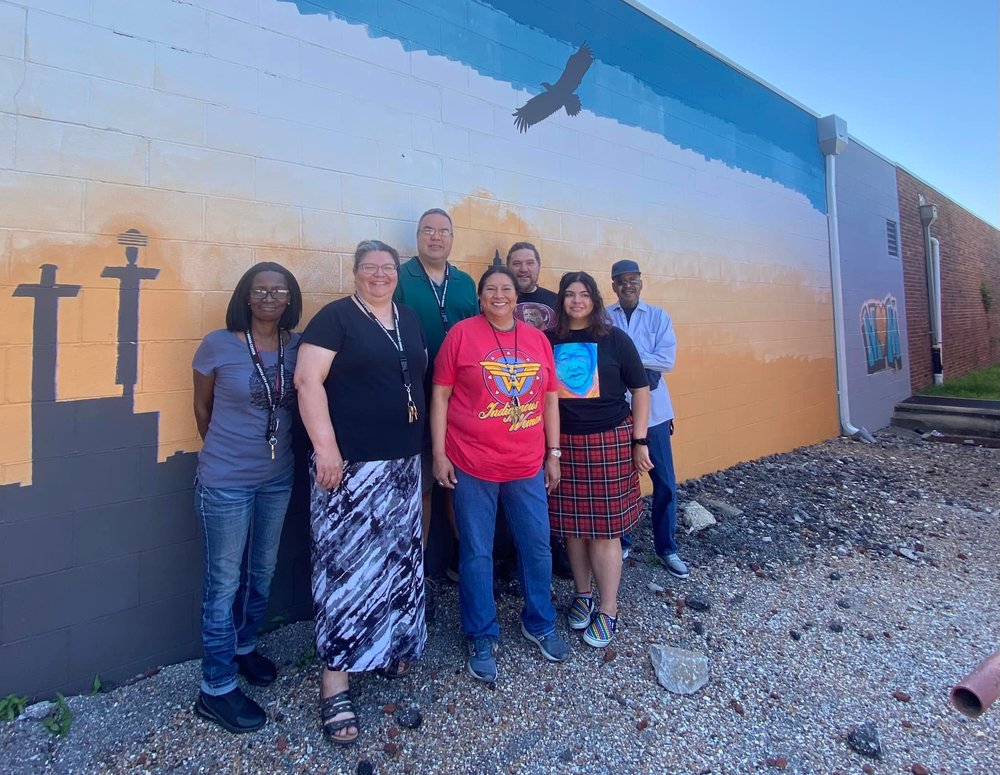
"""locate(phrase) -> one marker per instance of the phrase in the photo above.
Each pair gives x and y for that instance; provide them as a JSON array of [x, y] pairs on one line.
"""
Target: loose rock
[[409, 718], [678, 670], [696, 517], [864, 739]]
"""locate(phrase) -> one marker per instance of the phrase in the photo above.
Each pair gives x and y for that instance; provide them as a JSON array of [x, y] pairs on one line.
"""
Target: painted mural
[[146, 167], [880, 334]]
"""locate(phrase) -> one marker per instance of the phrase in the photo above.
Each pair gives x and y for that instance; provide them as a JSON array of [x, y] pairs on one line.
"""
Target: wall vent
[[892, 237]]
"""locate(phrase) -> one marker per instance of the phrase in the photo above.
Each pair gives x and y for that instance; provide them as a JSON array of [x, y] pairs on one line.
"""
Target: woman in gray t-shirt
[[244, 399]]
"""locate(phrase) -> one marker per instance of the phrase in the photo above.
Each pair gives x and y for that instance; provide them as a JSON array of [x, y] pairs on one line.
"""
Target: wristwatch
[[640, 442], [555, 452]]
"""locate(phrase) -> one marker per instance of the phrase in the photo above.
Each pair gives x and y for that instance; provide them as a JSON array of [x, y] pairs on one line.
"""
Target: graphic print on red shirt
[[490, 434]]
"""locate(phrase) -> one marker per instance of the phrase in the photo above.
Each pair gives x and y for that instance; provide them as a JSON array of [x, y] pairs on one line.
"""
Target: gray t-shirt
[[236, 453]]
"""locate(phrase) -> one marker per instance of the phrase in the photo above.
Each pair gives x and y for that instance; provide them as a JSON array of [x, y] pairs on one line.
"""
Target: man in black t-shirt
[[535, 306]]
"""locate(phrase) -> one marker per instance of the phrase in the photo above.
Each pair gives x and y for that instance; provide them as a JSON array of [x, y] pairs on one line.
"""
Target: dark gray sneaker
[[482, 659], [233, 711], [552, 646], [675, 565]]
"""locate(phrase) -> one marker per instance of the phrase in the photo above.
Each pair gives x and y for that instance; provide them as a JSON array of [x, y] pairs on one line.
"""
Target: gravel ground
[[858, 583]]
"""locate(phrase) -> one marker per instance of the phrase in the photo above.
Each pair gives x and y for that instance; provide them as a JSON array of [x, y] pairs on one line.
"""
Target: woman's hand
[[329, 468], [640, 457], [444, 472], [552, 473]]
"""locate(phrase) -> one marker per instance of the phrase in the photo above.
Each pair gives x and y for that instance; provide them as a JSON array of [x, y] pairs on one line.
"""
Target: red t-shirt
[[486, 374]]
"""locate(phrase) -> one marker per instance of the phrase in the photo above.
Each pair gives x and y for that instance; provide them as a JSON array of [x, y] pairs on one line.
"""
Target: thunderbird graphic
[[512, 379]]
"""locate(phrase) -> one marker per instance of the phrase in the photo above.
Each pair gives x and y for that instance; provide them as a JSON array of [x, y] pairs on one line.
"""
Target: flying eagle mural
[[556, 96]]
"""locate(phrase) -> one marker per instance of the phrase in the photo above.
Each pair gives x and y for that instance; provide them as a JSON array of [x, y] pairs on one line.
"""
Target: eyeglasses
[[621, 281], [373, 269], [427, 231], [278, 294]]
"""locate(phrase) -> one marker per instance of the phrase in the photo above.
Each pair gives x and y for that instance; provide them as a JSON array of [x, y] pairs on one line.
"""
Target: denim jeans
[[664, 510], [526, 506], [240, 531]]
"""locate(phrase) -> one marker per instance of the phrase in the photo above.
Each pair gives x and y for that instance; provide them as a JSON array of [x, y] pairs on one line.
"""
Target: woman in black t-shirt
[[360, 379], [603, 449]]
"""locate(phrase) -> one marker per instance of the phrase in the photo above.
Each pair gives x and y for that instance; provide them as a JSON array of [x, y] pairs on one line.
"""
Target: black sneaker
[[256, 668], [233, 711]]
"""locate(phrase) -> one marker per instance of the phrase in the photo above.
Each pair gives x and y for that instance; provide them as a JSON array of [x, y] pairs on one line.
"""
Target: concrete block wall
[[970, 260], [205, 136], [878, 372]]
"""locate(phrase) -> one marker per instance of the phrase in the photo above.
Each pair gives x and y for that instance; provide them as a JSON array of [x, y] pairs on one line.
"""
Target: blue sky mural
[[644, 74]]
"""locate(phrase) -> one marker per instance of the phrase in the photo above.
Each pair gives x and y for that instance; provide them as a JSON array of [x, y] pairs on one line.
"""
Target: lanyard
[[273, 396], [439, 297], [515, 402], [397, 342]]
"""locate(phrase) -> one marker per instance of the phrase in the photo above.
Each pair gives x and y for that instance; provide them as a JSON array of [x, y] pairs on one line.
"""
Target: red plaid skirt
[[598, 494]]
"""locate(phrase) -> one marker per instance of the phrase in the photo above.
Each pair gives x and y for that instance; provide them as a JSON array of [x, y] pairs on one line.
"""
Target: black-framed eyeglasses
[[278, 294]]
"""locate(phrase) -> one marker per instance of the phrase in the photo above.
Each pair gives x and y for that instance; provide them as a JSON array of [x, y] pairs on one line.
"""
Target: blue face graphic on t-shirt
[[576, 369]]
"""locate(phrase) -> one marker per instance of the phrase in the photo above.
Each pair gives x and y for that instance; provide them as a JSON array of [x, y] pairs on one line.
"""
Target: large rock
[[723, 508], [678, 670], [696, 517]]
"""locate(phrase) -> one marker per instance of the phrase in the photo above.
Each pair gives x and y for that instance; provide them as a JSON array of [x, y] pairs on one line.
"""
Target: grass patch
[[984, 384]]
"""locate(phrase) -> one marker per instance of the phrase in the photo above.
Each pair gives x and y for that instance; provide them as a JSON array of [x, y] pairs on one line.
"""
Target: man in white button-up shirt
[[652, 331]]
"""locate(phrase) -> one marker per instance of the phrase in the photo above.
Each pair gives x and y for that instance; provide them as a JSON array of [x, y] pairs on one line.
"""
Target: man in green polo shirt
[[441, 295]]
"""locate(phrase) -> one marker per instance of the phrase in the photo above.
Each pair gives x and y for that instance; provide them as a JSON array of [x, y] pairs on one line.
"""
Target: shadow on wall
[[104, 565]]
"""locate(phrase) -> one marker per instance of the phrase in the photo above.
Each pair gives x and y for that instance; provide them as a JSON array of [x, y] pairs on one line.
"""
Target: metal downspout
[[833, 139]]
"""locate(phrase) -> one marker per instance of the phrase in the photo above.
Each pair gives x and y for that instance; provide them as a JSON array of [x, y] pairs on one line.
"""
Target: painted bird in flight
[[561, 95]]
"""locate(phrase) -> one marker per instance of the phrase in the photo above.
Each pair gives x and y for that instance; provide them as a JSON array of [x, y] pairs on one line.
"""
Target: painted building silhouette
[[102, 558]]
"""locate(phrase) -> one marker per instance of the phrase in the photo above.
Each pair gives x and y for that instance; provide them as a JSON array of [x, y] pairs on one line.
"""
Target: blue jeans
[[664, 510], [526, 506], [240, 532]]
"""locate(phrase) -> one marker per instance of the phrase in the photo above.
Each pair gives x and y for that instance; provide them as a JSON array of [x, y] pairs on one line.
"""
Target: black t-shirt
[[593, 375], [537, 308], [365, 385]]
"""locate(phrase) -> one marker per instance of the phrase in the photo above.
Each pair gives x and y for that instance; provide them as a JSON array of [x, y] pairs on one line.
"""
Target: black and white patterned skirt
[[367, 565]]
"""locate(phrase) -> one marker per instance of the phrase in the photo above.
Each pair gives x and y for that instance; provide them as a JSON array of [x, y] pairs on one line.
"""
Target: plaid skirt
[[598, 494]]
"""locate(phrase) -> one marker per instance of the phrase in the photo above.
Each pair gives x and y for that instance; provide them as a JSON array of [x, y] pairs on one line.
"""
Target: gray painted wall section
[[873, 279]]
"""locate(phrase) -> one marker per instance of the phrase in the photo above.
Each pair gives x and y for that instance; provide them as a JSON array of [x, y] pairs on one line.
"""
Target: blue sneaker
[[482, 659], [552, 646]]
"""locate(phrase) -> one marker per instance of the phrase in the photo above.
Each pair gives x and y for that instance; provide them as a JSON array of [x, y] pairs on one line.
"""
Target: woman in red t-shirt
[[495, 432]]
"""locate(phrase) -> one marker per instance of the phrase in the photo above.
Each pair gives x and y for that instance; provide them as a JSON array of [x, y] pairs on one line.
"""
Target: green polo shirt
[[414, 291]]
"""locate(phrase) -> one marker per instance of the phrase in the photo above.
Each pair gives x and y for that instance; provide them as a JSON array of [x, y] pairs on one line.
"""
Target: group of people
[[503, 394]]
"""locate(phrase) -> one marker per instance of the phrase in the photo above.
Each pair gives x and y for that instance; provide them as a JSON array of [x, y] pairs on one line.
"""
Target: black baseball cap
[[625, 266]]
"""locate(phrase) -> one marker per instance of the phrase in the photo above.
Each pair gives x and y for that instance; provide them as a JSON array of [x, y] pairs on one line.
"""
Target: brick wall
[[970, 257]]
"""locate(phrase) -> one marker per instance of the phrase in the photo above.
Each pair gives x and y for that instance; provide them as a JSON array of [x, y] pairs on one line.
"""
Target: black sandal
[[334, 706], [397, 668]]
